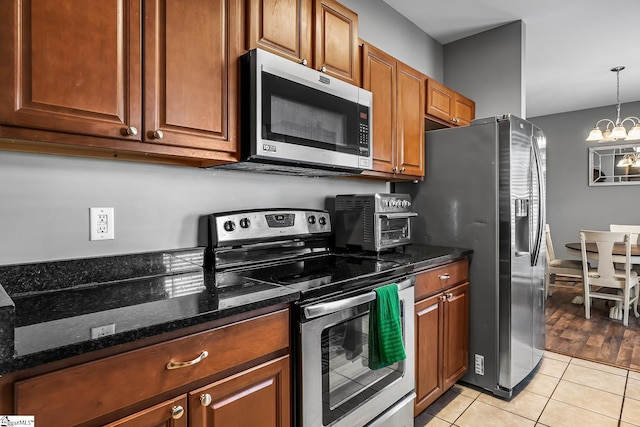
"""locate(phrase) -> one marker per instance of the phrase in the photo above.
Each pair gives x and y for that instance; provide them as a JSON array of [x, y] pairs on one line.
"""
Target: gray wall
[[45, 200], [380, 25], [489, 68], [572, 204]]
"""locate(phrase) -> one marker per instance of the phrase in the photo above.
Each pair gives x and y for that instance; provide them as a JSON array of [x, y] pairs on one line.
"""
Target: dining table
[[574, 248], [619, 256]]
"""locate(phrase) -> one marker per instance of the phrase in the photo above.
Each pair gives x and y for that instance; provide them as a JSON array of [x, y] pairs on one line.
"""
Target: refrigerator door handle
[[541, 203]]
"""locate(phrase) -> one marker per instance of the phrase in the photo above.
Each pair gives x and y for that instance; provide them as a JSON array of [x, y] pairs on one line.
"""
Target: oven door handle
[[324, 308], [399, 215]]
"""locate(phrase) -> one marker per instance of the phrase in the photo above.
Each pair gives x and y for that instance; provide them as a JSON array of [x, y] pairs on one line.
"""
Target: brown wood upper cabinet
[[398, 114], [450, 107], [77, 68], [321, 34]]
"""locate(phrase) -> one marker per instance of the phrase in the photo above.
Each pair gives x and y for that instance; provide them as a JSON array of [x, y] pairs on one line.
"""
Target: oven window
[[302, 115], [392, 229], [347, 381]]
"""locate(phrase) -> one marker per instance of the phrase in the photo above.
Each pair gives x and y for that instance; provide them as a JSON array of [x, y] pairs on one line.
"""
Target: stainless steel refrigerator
[[484, 190]]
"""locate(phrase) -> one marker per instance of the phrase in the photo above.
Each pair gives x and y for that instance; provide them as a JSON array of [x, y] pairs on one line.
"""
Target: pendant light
[[616, 130]]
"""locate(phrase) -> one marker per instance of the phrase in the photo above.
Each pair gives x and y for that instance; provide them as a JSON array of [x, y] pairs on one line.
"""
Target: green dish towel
[[385, 328]]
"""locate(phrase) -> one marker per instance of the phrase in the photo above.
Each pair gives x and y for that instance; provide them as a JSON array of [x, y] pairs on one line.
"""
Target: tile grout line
[[624, 399], [553, 391]]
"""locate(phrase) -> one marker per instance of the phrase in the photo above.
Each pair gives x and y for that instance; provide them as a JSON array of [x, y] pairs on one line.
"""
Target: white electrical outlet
[[101, 222], [103, 331]]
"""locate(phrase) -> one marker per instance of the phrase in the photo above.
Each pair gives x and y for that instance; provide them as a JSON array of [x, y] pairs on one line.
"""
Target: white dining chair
[[564, 268], [633, 229], [606, 276]]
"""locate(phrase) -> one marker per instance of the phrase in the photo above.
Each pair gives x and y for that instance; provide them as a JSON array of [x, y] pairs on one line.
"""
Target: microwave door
[[296, 119]]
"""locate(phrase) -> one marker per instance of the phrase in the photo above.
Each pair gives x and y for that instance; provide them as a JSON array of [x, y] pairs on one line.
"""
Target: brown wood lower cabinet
[[442, 331], [256, 397], [170, 413], [235, 374]]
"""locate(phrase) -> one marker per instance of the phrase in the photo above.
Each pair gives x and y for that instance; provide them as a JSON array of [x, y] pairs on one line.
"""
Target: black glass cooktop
[[320, 275]]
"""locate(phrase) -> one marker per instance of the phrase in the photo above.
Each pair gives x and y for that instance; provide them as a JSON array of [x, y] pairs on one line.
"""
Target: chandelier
[[631, 159], [615, 131]]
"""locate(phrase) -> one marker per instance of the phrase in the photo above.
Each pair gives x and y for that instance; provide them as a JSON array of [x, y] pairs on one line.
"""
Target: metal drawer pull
[[205, 399], [445, 276], [449, 296], [177, 412], [177, 365]]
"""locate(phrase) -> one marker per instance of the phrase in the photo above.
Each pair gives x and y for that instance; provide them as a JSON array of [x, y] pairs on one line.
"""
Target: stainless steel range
[[332, 382]]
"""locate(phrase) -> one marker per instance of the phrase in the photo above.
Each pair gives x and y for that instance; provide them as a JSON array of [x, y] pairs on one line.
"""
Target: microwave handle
[[398, 215], [322, 309]]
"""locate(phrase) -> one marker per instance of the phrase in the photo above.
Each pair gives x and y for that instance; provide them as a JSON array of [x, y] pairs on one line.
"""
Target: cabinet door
[[428, 352], [456, 334], [72, 66], [465, 110], [282, 27], [256, 397], [166, 414], [379, 77], [410, 122], [336, 41], [191, 86], [440, 101]]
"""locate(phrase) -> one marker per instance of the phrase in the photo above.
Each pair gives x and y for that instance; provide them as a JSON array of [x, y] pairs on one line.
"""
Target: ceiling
[[571, 45]]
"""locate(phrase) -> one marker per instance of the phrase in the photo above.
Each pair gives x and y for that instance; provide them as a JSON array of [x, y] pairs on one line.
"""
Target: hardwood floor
[[598, 339]]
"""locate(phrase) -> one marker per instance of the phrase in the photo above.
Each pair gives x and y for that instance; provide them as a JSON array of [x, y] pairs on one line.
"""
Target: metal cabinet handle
[[443, 298], [449, 296], [177, 365], [205, 399], [445, 276], [177, 412], [304, 62], [132, 131], [158, 134], [395, 169], [323, 69], [402, 169]]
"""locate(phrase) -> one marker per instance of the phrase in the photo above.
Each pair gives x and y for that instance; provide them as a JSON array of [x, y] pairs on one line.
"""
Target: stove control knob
[[245, 223], [322, 220], [229, 226], [312, 219], [393, 203]]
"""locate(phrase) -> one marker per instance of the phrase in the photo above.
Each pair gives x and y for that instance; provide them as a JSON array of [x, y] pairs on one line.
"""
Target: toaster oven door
[[393, 229]]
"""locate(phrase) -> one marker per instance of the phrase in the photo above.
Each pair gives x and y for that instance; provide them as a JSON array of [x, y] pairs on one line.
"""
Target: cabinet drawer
[[432, 281], [78, 394]]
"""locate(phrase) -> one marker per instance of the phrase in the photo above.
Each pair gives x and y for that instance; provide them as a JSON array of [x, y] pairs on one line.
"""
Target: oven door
[[393, 229], [305, 116], [338, 388]]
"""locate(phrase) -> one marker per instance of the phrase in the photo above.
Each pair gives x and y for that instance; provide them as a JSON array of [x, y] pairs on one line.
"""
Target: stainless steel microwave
[[296, 119]]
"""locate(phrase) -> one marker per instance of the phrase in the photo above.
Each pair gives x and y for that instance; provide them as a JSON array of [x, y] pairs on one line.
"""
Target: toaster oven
[[373, 222]]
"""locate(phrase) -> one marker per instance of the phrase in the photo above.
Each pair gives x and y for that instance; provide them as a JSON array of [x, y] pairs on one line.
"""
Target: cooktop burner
[[315, 275], [292, 248]]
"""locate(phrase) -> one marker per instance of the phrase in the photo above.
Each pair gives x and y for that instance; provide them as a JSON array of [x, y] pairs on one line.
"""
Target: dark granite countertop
[[49, 311], [53, 310]]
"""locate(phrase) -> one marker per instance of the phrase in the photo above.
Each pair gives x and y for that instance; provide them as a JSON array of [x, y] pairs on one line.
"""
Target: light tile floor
[[564, 392]]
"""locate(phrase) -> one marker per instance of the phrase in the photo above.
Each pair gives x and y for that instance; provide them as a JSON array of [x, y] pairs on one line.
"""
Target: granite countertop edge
[[418, 257], [17, 363]]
